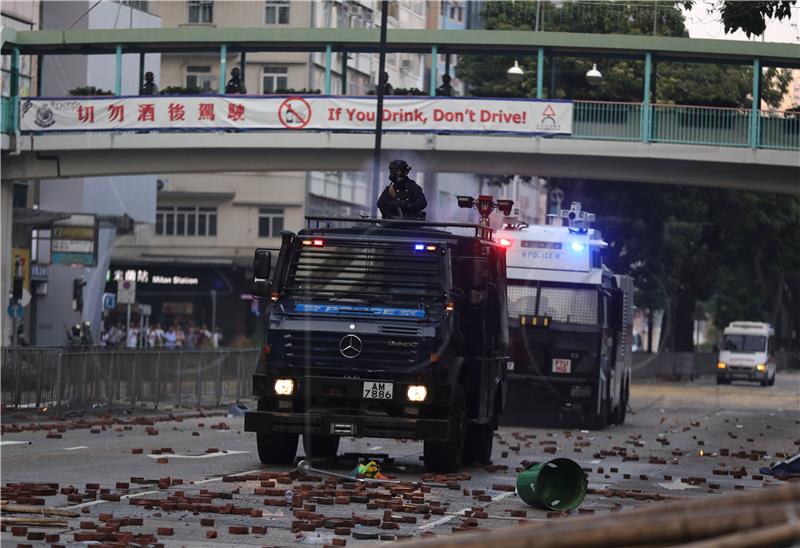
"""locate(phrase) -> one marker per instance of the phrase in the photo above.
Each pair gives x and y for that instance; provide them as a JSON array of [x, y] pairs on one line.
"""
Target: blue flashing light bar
[[577, 247], [424, 247], [360, 310]]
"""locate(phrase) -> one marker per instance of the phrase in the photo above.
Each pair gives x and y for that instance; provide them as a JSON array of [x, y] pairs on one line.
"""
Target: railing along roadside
[[82, 378]]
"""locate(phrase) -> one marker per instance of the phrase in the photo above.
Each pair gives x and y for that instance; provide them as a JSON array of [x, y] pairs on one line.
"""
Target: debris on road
[[559, 484]]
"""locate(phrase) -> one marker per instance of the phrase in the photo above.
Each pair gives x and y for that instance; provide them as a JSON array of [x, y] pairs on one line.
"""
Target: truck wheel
[[277, 447], [622, 410], [601, 419], [764, 382], [478, 443], [320, 447], [445, 456]]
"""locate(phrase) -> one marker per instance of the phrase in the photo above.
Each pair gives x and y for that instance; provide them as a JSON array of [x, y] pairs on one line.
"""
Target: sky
[[702, 24]]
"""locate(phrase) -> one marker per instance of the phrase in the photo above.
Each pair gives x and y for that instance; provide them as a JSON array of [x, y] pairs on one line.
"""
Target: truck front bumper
[[532, 397], [347, 425]]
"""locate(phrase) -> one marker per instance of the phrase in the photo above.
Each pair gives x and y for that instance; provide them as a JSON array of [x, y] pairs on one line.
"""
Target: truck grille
[[320, 349]]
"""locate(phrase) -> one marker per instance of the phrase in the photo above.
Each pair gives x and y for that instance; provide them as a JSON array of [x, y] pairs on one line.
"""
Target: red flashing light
[[505, 242], [318, 243]]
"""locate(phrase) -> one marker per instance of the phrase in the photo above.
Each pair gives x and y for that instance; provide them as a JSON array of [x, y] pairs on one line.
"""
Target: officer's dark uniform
[[235, 84], [409, 201]]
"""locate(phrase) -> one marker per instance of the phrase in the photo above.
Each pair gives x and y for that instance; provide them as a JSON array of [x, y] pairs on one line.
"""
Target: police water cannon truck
[[382, 328], [570, 324]]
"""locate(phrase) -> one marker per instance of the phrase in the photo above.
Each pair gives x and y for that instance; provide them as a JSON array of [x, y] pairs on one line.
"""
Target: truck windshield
[[360, 272], [576, 305], [745, 343]]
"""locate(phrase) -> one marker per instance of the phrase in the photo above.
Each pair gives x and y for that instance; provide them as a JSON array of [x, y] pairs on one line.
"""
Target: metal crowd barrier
[[73, 378]]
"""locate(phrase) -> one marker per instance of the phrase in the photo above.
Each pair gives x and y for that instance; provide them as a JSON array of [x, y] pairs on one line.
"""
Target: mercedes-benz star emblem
[[350, 346]]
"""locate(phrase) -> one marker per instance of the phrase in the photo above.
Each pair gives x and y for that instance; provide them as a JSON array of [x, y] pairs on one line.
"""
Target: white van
[[747, 353]]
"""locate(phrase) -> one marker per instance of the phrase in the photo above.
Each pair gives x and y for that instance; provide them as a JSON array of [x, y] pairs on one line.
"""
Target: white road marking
[[131, 495], [13, 442], [76, 448], [203, 456], [460, 513], [378, 448], [209, 480], [677, 485]]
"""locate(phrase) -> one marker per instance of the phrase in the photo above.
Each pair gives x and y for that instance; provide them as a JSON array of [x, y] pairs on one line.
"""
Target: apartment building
[[18, 15], [207, 225]]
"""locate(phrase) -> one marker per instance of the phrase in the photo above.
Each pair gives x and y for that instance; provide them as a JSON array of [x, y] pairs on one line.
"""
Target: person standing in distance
[[149, 87], [403, 198]]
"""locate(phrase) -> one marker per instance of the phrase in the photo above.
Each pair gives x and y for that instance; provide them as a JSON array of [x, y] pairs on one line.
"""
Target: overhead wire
[[84, 14]]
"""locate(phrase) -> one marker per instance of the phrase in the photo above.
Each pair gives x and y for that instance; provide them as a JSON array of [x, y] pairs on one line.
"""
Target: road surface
[[681, 440]]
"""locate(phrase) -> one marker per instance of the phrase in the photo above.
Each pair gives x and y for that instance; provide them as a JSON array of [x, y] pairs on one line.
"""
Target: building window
[[201, 11], [201, 78], [140, 5], [270, 222], [277, 12], [186, 221], [276, 78], [394, 9]]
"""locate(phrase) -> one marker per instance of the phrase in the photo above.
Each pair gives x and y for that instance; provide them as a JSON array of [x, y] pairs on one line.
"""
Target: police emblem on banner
[[44, 116]]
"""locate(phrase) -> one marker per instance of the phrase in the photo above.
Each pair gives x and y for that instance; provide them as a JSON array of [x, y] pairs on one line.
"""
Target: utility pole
[[376, 155]]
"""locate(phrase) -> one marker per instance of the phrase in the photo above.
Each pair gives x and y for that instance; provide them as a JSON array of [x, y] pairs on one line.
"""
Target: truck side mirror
[[262, 263], [471, 273], [616, 312]]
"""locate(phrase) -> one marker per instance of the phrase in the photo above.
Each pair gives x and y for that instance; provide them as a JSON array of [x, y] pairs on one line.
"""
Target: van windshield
[[745, 343]]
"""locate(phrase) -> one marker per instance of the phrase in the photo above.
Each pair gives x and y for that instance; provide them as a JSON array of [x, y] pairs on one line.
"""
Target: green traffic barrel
[[559, 484]]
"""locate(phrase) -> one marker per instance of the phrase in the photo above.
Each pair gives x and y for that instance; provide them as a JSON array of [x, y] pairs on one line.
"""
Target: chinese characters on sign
[[533, 117], [143, 276]]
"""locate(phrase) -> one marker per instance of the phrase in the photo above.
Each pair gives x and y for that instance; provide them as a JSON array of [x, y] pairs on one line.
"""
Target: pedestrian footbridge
[[742, 148], [609, 141]]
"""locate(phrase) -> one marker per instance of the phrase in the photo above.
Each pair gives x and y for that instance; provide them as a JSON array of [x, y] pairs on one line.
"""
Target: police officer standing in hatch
[[403, 198]]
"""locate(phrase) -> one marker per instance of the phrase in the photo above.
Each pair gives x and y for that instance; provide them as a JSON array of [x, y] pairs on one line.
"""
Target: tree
[[682, 245], [751, 17], [679, 83], [736, 250]]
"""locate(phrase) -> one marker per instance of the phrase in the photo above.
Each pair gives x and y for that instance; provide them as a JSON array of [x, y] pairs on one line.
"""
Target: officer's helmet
[[399, 165]]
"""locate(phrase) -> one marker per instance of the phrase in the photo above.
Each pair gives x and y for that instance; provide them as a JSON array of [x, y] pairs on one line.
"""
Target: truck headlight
[[417, 392], [284, 387], [761, 367], [722, 365]]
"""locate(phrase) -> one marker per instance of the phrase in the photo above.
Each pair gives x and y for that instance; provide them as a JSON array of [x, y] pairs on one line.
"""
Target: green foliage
[[748, 15], [751, 16], [402, 91], [88, 91], [292, 91], [736, 250], [179, 90], [623, 80]]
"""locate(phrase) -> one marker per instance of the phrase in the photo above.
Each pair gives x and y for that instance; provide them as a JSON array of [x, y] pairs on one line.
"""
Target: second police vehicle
[[570, 324]]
